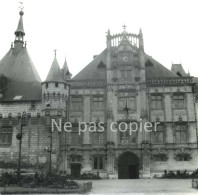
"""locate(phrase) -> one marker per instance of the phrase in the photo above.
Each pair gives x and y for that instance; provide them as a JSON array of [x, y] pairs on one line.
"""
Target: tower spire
[[66, 74], [19, 33]]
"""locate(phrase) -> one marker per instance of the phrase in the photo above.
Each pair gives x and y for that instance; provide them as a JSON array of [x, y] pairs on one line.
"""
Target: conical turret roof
[[17, 64], [65, 67], [54, 74]]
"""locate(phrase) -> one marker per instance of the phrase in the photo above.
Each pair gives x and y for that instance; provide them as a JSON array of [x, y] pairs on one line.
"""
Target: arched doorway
[[128, 166]]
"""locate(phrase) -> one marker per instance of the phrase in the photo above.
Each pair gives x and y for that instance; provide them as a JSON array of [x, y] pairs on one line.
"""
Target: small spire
[[66, 74], [19, 33], [188, 72], [124, 27], [54, 72], [140, 31]]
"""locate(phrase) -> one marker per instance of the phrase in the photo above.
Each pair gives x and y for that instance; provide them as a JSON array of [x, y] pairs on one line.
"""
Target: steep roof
[[65, 67], [91, 71], [156, 70], [178, 69], [18, 66], [54, 73], [22, 91]]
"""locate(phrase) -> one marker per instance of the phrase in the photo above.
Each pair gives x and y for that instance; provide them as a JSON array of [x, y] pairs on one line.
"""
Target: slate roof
[[65, 67], [18, 66], [177, 68], [54, 74], [91, 72], [22, 91]]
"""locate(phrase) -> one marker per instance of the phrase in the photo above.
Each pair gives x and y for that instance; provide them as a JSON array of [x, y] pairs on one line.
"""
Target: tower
[[55, 90]]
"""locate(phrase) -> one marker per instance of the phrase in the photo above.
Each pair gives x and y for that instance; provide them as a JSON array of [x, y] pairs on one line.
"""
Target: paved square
[[151, 186]]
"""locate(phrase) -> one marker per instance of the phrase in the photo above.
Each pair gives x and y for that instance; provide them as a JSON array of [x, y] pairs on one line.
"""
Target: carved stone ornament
[[183, 154], [160, 154]]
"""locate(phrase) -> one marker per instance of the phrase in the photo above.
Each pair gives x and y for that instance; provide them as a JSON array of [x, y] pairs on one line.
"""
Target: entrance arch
[[128, 166]]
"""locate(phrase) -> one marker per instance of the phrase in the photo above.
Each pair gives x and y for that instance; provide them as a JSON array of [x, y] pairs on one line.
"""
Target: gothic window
[[6, 136], [181, 133], [126, 137], [126, 99], [122, 72], [98, 103], [98, 163], [98, 138], [76, 104], [157, 136], [126, 74], [178, 101], [156, 101]]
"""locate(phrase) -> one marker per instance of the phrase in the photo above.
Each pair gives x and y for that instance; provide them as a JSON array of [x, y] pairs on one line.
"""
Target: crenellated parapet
[[170, 81], [88, 83]]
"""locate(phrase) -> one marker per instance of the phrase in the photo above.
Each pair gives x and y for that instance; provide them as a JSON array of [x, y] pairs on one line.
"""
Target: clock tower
[[126, 88]]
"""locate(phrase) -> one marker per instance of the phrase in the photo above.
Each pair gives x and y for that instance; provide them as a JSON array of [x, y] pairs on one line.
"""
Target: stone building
[[121, 88]]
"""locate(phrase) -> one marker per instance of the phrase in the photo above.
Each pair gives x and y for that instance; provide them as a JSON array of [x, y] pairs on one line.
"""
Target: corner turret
[[55, 91]]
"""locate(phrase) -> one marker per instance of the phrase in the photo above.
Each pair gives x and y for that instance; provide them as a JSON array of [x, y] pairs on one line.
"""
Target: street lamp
[[19, 136]]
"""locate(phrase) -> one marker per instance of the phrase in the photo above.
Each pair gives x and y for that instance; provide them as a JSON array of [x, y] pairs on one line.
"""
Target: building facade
[[123, 88]]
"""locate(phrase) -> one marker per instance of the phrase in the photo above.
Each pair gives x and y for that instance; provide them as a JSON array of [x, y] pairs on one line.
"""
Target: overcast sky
[[77, 29]]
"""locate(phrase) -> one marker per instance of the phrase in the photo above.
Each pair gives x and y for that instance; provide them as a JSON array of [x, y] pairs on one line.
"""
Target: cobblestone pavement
[[144, 186]]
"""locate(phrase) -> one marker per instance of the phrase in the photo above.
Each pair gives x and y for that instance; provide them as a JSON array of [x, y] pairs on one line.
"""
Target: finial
[[188, 72], [55, 53], [108, 33], [124, 27], [140, 32], [21, 7]]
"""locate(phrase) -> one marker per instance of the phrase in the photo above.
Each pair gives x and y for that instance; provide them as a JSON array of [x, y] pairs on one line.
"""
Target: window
[[125, 137], [129, 101], [180, 133], [157, 137], [6, 136], [122, 74], [126, 74], [46, 86], [56, 84], [129, 74], [98, 162], [98, 103], [33, 104], [178, 101], [156, 102], [76, 104], [98, 137]]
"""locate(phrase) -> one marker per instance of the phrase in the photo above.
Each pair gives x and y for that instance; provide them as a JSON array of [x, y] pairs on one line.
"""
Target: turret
[[65, 72], [55, 90], [141, 41]]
